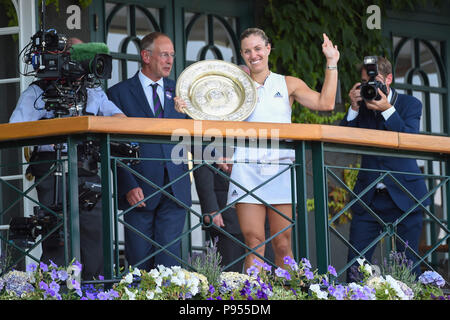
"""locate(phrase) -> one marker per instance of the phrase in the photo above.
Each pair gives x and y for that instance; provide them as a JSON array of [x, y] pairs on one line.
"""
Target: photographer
[[31, 107], [375, 105]]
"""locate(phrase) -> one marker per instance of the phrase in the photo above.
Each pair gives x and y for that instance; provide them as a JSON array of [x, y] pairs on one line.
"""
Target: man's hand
[[225, 167], [379, 105], [134, 196], [355, 96], [217, 219], [180, 104]]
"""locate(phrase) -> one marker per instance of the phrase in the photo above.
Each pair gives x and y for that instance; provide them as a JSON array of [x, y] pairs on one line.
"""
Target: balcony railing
[[313, 172]]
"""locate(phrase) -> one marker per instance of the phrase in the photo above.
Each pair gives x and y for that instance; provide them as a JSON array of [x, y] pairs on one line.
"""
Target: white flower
[[178, 280], [131, 295], [395, 284], [368, 268], [319, 293], [361, 261], [154, 273], [176, 269], [127, 279], [136, 272], [150, 295], [74, 273], [375, 281], [158, 281], [165, 272]]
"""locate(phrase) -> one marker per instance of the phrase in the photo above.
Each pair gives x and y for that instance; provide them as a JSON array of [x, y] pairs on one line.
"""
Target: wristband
[[332, 67]]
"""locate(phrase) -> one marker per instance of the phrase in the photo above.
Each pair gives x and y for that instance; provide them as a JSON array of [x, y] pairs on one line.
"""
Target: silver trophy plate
[[216, 90]]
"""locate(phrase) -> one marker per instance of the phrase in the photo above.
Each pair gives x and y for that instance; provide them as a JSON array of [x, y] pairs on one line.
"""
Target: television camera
[[64, 71]]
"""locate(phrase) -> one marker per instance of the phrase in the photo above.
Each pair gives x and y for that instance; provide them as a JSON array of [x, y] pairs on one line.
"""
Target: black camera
[[369, 89], [89, 194], [23, 231], [51, 57], [65, 71]]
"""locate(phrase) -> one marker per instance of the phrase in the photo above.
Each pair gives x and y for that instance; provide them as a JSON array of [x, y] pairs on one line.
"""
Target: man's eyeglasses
[[164, 55]]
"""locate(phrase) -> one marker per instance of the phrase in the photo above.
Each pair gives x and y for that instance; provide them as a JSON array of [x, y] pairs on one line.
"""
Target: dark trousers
[[91, 242], [365, 228], [162, 225]]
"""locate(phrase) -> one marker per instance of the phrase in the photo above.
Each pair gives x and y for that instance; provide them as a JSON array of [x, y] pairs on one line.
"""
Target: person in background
[[149, 94], [392, 112], [31, 107]]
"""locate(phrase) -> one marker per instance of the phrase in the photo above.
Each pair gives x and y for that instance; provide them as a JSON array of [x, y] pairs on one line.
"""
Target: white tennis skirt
[[249, 174]]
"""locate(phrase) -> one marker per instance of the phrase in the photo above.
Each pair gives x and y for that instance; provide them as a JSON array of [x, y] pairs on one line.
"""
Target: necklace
[[262, 83]]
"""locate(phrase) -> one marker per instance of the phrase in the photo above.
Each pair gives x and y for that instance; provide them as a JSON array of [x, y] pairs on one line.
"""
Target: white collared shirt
[[352, 114], [146, 83]]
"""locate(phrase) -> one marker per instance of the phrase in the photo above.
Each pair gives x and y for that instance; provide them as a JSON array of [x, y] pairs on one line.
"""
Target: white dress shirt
[[146, 83]]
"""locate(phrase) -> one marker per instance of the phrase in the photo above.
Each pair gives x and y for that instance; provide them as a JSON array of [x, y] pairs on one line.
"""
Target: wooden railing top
[[167, 127]]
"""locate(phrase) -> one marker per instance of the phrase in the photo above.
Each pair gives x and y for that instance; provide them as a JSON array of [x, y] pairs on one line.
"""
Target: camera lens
[[99, 68], [368, 92]]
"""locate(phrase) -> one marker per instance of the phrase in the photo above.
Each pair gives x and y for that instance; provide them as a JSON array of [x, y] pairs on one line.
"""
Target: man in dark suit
[[150, 94], [392, 112]]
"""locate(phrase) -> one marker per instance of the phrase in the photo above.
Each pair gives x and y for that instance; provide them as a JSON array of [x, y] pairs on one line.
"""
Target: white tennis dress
[[253, 166]]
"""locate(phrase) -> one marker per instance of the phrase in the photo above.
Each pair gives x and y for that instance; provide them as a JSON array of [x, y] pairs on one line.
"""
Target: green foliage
[[295, 29], [10, 12], [208, 263], [338, 196], [305, 115], [400, 267]]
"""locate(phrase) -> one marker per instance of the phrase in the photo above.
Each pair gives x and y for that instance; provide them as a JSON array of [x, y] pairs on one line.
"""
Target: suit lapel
[[169, 93], [138, 93]]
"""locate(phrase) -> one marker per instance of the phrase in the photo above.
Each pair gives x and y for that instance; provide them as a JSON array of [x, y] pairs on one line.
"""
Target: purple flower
[[113, 293], [211, 289], [75, 284], [78, 264], [102, 296], [90, 296], [54, 286], [332, 271], [338, 292], [260, 294], [31, 267], [43, 267], [62, 275], [54, 274], [224, 285], [306, 263], [246, 291], [308, 274], [433, 278], [252, 271], [283, 273], [43, 285], [262, 265], [288, 260]]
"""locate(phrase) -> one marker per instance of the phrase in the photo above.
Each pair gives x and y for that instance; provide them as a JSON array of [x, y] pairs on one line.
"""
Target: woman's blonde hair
[[255, 31]]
